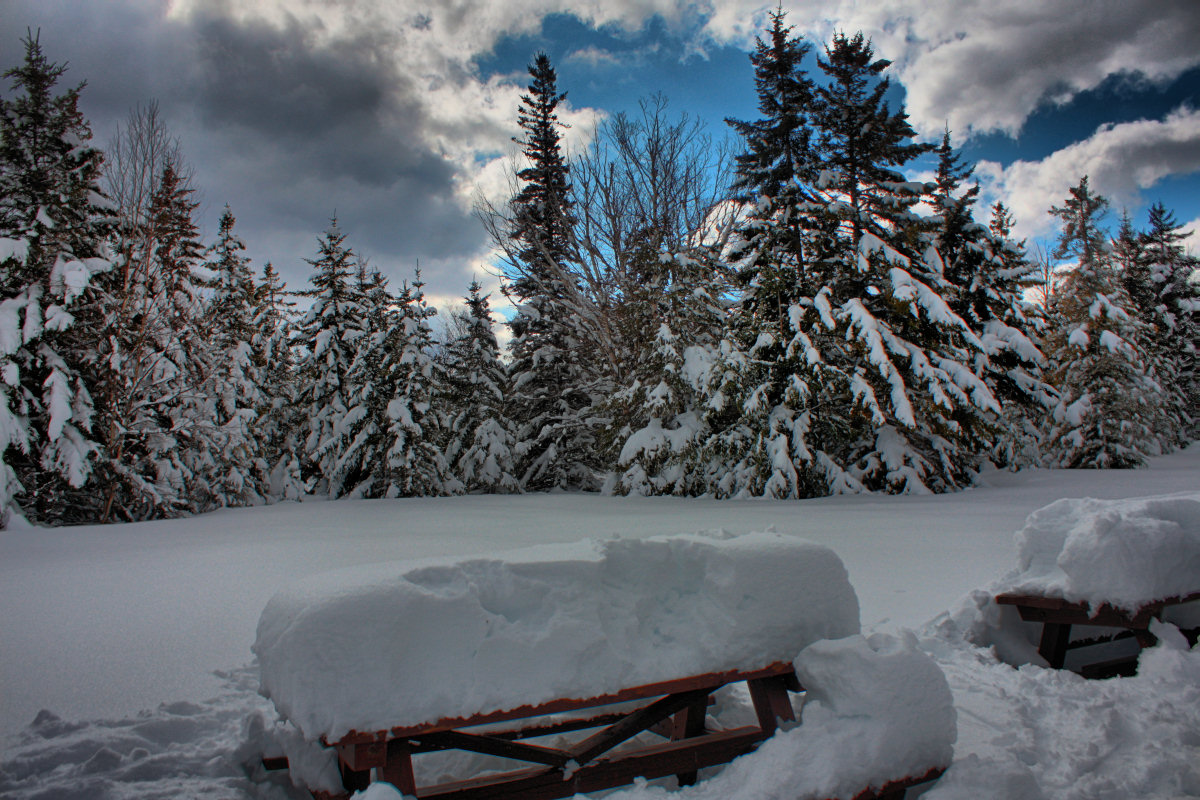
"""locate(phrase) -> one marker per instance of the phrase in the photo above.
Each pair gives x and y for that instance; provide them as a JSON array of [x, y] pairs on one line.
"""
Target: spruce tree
[[551, 386], [362, 460], [238, 376], [987, 275], [417, 426], [329, 337], [754, 403], [279, 418], [1105, 415], [186, 447], [863, 379], [481, 445], [52, 231], [1171, 304], [659, 416], [899, 355]]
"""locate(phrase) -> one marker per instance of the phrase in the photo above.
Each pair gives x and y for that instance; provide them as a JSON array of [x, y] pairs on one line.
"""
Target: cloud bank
[[1120, 160], [293, 110]]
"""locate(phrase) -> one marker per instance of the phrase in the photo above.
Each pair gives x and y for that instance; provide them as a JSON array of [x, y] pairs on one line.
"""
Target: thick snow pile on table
[[414, 642], [1126, 553], [876, 709]]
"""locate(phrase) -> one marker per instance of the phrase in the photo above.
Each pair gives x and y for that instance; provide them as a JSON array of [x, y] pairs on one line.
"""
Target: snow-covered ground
[[126, 670]]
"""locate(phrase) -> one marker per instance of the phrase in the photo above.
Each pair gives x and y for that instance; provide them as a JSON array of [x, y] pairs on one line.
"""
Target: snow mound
[[1123, 552], [877, 709], [408, 643]]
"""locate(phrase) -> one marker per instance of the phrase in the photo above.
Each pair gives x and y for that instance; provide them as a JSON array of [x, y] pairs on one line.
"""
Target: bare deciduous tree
[[647, 186]]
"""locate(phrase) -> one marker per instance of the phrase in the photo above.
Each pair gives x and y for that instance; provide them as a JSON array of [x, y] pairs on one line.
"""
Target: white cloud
[[1120, 160], [978, 64], [986, 65], [1192, 242]]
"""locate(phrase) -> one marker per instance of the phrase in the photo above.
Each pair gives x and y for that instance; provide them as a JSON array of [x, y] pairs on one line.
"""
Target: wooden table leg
[[1053, 647], [689, 723], [398, 769]]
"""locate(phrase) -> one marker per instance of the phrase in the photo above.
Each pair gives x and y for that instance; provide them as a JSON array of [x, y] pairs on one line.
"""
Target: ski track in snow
[[99, 622]]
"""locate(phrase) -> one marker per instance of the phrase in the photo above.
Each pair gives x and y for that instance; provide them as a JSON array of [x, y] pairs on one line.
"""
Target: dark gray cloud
[[287, 127]]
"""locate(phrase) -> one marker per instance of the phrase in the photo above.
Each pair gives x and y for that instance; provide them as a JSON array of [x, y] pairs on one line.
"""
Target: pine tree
[[417, 429], [1170, 302], [279, 419], [238, 376], [1108, 402], [862, 379], [52, 230], [551, 386], [481, 441], [330, 337], [987, 276]]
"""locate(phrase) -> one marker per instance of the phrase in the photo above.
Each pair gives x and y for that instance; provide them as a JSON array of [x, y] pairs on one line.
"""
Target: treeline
[[816, 323]]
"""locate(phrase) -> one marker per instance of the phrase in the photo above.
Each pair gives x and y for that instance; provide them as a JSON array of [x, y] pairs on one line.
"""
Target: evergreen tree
[[987, 276], [864, 379], [660, 411], [187, 444], [417, 429], [52, 231], [754, 402], [279, 419], [772, 175], [238, 377], [482, 443], [1171, 304], [1105, 416], [364, 456], [551, 398], [330, 337]]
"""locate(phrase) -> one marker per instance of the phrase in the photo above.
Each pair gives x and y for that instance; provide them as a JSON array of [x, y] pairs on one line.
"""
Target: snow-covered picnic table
[[387, 661], [1107, 564]]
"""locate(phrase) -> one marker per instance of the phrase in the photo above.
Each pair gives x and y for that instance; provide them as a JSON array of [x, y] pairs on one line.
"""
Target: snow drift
[[412, 642], [876, 709]]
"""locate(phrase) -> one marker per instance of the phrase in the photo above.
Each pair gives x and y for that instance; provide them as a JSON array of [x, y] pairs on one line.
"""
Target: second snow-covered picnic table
[[1110, 567]]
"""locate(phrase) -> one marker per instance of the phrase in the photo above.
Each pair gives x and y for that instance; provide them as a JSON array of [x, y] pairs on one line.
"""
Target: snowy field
[[126, 670]]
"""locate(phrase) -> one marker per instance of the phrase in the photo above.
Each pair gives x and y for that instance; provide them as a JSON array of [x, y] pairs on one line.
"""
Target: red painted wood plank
[[710, 680], [655, 761], [1035, 608], [897, 788]]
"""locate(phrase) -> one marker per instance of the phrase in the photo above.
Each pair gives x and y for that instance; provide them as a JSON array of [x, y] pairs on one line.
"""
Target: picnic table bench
[[1058, 616]]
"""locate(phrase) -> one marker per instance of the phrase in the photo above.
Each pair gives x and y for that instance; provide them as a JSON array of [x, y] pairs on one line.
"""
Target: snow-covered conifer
[[53, 223], [330, 336], [238, 376], [1166, 291], [1109, 402], [551, 400], [658, 416], [279, 419], [189, 441], [416, 433], [987, 276], [863, 379], [481, 441]]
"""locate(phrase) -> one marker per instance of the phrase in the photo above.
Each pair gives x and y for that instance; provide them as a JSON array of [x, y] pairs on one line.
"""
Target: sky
[[397, 115]]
